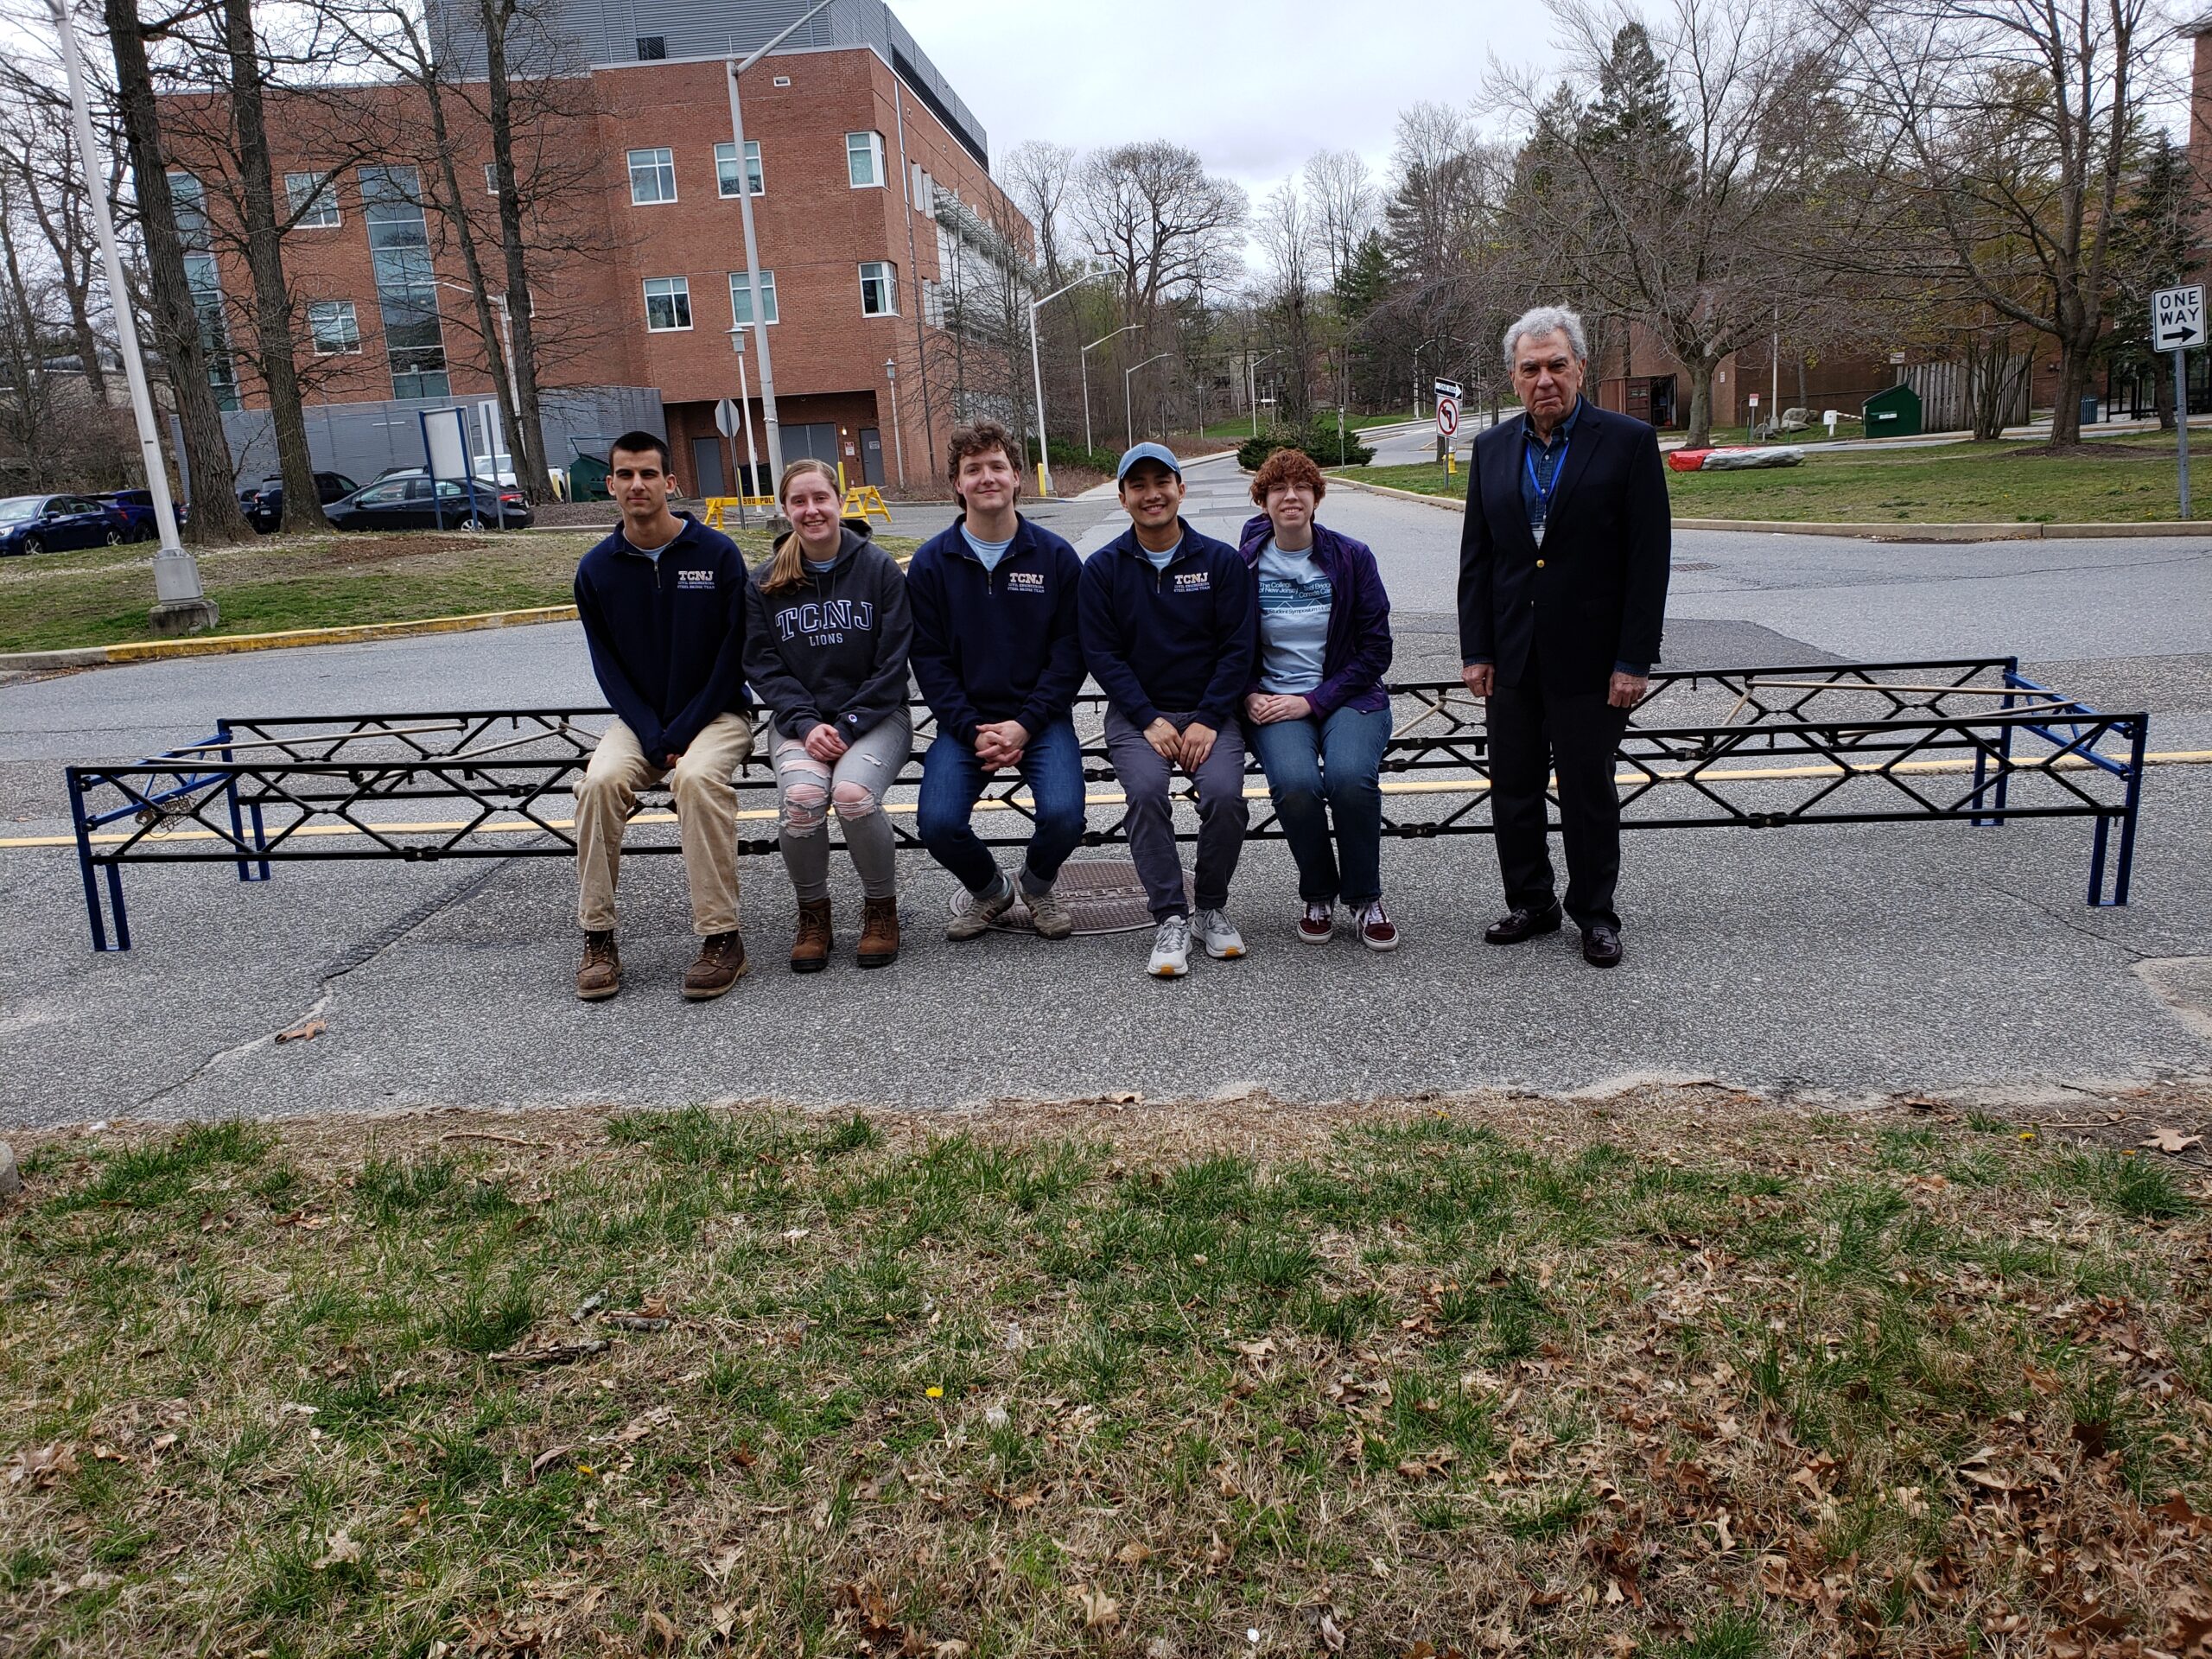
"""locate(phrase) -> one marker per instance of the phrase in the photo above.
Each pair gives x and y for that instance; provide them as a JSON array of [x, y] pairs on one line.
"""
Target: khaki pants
[[706, 807]]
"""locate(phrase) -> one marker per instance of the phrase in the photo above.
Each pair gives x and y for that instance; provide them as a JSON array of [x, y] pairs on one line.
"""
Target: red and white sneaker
[[1318, 925], [1377, 930]]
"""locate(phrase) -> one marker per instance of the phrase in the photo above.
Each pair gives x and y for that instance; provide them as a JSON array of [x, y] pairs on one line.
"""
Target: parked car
[[137, 506], [405, 501], [55, 523], [264, 507]]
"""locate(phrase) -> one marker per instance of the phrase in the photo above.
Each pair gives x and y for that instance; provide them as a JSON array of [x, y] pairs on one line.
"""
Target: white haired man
[[1563, 566]]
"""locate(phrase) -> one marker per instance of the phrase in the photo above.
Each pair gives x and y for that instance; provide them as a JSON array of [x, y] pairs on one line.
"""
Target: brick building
[[871, 189]]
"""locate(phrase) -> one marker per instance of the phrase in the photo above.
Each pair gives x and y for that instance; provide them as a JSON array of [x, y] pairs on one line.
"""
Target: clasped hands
[[1187, 748], [1266, 709], [999, 743], [1625, 690]]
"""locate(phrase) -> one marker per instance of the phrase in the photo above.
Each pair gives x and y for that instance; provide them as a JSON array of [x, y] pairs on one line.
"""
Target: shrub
[[1318, 440]]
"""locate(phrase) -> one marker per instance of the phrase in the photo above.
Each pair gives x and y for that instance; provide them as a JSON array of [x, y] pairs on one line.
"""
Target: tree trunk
[[2161, 388], [1701, 421], [2073, 383], [528, 440], [265, 254], [215, 520]]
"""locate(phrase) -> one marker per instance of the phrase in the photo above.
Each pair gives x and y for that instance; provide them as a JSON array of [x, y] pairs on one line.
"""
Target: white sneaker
[[1171, 948], [1219, 935]]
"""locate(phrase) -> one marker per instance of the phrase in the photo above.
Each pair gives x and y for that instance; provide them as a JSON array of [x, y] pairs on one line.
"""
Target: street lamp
[[1083, 358], [1418, 350], [897, 437], [1037, 373], [752, 243], [506, 344], [180, 604], [1128, 408], [1252, 385]]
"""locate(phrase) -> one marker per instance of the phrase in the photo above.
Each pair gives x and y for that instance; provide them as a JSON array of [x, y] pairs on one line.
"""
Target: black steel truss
[[1966, 739]]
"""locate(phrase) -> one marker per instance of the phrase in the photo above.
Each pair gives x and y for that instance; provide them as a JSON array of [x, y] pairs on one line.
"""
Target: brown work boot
[[720, 965], [601, 976], [879, 932], [810, 949]]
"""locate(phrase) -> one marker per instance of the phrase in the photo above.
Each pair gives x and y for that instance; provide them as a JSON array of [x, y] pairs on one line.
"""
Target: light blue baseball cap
[[1158, 452]]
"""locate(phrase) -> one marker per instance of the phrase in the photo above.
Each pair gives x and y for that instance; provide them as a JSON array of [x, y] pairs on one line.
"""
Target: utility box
[[1893, 412], [587, 480]]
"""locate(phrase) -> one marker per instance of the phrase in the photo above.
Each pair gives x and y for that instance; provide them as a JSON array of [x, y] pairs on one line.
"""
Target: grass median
[[1677, 1376], [101, 597], [2105, 482]]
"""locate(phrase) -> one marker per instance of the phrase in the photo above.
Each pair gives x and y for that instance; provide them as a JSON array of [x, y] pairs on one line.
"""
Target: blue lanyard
[[1544, 496]]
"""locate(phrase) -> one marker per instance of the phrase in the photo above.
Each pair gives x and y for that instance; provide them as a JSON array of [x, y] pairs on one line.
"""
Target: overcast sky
[[1255, 86]]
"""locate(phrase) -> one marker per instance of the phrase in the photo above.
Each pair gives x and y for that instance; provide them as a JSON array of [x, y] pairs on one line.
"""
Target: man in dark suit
[[1563, 569]]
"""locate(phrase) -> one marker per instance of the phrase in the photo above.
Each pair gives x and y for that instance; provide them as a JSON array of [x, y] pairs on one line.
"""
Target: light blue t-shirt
[[990, 552], [1294, 599], [1160, 560]]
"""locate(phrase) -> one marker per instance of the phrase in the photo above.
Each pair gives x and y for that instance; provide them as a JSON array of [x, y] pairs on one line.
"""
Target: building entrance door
[[707, 467], [872, 456]]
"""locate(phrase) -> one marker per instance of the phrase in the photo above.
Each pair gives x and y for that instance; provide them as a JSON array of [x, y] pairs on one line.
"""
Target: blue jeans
[[1323, 769], [953, 781]]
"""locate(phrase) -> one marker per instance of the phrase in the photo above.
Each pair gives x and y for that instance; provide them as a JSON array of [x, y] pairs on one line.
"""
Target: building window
[[880, 289], [334, 327], [491, 178], [407, 282], [864, 160], [190, 198], [726, 168], [652, 177], [314, 198], [668, 303], [740, 298], [650, 46], [925, 190]]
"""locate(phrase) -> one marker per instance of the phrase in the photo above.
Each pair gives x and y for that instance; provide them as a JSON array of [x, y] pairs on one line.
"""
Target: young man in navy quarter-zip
[[1169, 622], [663, 605], [997, 657]]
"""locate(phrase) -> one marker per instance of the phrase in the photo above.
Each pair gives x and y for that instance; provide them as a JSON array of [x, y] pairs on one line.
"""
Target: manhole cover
[[1103, 893]]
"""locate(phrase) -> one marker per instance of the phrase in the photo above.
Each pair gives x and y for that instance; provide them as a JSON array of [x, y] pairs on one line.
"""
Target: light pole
[[499, 303], [752, 243], [180, 604], [898, 438], [1037, 373], [1083, 358], [1128, 408], [1252, 385], [1418, 350]]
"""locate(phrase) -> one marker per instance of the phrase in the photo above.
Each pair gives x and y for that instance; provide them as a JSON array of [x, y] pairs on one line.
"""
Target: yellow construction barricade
[[866, 501]]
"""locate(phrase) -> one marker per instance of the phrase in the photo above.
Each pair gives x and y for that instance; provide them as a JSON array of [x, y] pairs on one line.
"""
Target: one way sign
[[2177, 318]]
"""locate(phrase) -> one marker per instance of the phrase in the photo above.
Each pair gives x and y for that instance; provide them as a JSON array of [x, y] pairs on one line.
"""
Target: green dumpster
[[1893, 412], [588, 479]]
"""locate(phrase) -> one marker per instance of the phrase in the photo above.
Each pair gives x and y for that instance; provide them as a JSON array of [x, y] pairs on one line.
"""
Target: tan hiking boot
[[721, 965], [879, 932], [1049, 914], [810, 948], [601, 976]]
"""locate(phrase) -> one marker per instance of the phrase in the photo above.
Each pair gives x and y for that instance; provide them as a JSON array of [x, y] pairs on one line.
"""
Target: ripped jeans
[[807, 791]]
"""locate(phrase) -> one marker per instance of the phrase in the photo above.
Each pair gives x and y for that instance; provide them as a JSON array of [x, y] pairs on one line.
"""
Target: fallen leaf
[[306, 1032], [546, 1459], [1099, 1609], [2172, 1141], [342, 1550], [43, 1465], [2176, 1509], [1332, 1635], [661, 1629], [1133, 1554]]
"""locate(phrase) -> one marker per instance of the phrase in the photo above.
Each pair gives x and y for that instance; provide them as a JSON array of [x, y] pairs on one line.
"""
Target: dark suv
[[264, 507]]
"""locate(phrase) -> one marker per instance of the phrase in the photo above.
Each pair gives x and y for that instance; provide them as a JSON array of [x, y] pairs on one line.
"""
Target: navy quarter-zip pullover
[[1177, 639], [1001, 644], [666, 633]]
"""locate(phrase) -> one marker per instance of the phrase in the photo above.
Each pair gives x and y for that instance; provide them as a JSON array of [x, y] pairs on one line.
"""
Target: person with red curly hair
[[1316, 711]]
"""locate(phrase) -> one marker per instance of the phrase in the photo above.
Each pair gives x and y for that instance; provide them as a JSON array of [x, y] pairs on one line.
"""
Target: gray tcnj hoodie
[[833, 648]]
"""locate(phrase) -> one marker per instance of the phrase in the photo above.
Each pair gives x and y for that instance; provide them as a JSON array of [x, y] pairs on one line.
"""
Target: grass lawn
[[100, 597], [1970, 483], [1680, 1376]]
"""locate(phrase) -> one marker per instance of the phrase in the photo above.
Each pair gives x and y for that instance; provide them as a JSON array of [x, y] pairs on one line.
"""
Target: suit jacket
[[1594, 594]]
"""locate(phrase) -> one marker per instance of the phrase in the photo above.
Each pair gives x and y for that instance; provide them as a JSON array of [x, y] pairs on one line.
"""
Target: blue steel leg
[[2097, 862], [2123, 866], [86, 868]]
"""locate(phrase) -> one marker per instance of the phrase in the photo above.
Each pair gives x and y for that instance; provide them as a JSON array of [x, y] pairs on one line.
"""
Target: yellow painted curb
[[147, 650]]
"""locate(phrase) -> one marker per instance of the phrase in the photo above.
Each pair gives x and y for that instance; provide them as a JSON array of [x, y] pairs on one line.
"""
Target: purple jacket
[[1357, 653]]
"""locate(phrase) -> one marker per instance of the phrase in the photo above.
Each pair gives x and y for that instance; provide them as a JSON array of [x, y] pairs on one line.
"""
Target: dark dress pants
[[1534, 733]]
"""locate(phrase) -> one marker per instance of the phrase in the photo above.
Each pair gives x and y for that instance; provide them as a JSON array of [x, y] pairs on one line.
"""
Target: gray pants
[[807, 791], [1150, 816]]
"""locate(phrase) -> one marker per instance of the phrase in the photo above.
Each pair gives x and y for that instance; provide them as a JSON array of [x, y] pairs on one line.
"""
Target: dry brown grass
[[1675, 1374]]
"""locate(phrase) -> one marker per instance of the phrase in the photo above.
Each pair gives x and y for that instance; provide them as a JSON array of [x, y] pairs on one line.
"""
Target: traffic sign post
[[1447, 396], [2176, 324]]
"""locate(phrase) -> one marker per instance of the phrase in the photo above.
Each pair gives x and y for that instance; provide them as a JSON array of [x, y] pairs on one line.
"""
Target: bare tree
[[38, 148], [1289, 240], [1342, 204], [2019, 118], [1160, 219], [1041, 178]]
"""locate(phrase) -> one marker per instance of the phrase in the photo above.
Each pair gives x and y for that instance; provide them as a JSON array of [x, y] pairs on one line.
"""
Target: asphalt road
[[1819, 961]]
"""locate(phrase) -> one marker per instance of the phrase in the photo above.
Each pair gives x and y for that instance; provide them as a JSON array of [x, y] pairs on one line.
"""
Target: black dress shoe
[[1518, 925], [1601, 945]]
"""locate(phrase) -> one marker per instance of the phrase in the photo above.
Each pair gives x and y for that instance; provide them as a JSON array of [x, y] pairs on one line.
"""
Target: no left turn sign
[[1447, 416]]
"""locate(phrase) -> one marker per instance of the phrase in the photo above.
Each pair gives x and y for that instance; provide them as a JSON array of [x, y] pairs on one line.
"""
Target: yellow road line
[[1113, 797]]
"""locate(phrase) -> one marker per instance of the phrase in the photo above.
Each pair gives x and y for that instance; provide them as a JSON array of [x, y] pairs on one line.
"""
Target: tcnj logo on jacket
[[826, 623], [1025, 581], [695, 579], [1193, 582]]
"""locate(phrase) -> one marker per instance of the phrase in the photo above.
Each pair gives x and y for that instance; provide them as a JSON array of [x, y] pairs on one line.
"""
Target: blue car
[[136, 506], [58, 524]]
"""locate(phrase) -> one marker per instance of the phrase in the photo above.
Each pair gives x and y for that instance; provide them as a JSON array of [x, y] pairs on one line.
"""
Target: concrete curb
[[2015, 532], [151, 651]]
